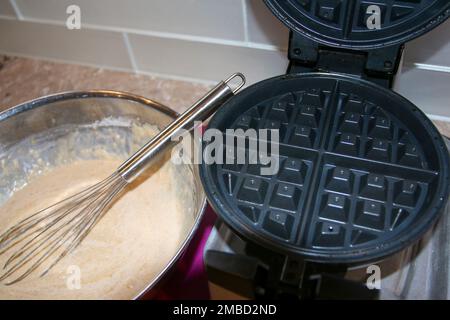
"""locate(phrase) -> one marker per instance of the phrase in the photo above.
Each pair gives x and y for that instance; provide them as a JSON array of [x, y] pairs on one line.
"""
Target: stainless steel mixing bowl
[[47, 114]]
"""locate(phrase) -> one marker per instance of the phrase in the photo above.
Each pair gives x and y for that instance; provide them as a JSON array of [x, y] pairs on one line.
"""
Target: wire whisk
[[56, 230], [41, 240]]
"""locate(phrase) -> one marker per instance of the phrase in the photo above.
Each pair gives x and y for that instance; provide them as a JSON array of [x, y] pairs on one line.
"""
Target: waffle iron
[[363, 172]]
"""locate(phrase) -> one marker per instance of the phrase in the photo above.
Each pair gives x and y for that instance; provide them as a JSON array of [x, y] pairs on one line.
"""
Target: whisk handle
[[200, 111]]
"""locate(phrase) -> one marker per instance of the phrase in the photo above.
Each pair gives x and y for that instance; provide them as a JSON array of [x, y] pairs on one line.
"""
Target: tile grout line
[[177, 78], [429, 67], [3, 17], [130, 51], [16, 10], [166, 35], [112, 68], [436, 117], [186, 37], [244, 14], [62, 60]]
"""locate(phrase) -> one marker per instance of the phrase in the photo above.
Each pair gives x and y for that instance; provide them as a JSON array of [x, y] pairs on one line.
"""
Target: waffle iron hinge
[[376, 65], [307, 280], [257, 274]]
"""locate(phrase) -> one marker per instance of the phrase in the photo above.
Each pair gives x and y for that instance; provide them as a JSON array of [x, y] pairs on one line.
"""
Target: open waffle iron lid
[[344, 23], [363, 172]]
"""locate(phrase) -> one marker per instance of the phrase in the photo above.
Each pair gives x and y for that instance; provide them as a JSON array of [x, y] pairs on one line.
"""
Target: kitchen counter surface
[[23, 79]]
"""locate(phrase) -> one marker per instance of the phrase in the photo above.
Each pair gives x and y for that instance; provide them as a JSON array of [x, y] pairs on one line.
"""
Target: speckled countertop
[[24, 79]]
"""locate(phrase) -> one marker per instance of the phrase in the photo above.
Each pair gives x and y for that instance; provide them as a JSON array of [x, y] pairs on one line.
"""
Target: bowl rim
[[67, 95]]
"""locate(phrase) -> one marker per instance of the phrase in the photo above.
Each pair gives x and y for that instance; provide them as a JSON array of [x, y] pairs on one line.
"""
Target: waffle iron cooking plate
[[363, 173]]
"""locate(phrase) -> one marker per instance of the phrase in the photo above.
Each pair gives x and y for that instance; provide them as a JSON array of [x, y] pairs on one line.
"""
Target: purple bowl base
[[188, 279]]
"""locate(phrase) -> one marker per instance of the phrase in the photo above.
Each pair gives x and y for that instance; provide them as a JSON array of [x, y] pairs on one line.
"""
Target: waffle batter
[[127, 249]]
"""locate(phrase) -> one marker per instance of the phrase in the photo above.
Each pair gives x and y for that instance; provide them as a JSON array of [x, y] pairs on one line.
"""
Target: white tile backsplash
[[263, 26], [428, 90], [205, 60], [94, 47], [432, 48], [206, 18], [6, 9]]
